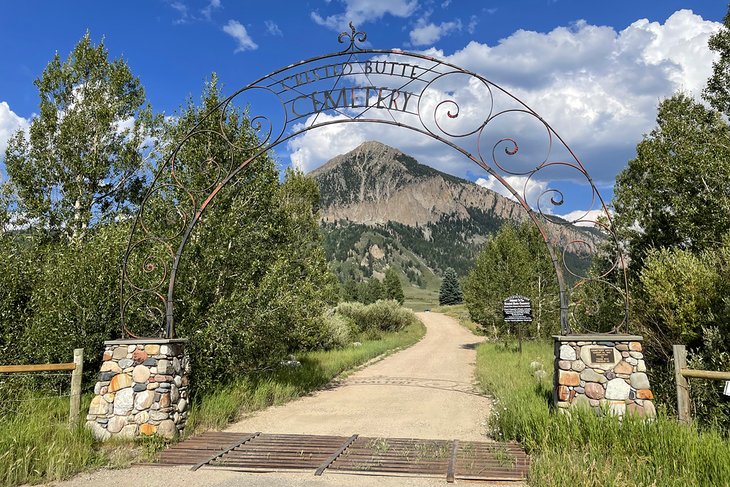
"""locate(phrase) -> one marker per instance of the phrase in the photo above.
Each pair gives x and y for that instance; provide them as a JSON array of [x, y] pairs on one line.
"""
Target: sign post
[[517, 309]]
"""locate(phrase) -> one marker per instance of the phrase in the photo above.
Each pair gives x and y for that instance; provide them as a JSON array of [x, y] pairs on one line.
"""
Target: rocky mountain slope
[[381, 207]]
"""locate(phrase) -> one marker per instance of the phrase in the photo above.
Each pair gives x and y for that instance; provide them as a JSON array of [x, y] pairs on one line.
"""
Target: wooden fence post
[[76, 386], [680, 362]]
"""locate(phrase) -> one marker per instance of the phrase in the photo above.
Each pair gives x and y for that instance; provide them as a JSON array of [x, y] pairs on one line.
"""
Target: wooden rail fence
[[682, 373], [76, 368]]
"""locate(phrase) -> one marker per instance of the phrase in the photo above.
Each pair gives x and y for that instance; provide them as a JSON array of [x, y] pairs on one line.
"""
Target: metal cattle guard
[[319, 454]]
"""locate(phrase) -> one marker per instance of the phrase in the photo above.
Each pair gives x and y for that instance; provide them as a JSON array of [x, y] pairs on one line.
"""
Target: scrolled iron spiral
[[449, 109], [577, 304], [557, 198], [151, 263], [511, 146], [262, 124]]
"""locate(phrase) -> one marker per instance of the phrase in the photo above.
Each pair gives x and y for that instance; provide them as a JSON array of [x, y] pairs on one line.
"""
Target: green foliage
[[515, 261], [19, 273], [677, 293], [379, 316], [393, 287], [339, 330], [673, 215], [373, 291], [675, 192], [255, 280], [76, 301], [587, 449], [717, 91], [74, 175], [450, 292], [60, 295], [85, 145], [683, 300], [251, 288]]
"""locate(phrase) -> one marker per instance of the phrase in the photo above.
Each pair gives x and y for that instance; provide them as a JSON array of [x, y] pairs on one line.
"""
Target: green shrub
[[338, 330], [56, 296], [21, 258], [682, 299], [75, 302], [379, 316]]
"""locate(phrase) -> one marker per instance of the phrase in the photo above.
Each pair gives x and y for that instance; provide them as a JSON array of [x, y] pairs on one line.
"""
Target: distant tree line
[[371, 290]]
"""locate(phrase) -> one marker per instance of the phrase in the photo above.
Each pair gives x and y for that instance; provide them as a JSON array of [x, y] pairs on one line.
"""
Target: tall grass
[[459, 312], [216, 410], [585, 449], [37, 444]]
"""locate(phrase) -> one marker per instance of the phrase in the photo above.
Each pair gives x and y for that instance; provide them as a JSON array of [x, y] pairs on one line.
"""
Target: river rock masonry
[[142, 389], [602, 372]]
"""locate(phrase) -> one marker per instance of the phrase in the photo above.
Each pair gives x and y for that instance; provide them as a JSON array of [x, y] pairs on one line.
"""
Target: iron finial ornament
[[398, 89], [354, 37]]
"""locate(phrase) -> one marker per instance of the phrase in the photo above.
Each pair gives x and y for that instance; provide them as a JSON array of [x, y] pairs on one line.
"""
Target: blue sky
[[594, 70]]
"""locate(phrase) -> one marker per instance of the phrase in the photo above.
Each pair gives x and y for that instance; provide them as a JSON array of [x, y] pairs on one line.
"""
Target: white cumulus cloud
[[596, 86], [362, 11], [584, 218], [428, 33], [236, 30], [529, 189], [10, 123]]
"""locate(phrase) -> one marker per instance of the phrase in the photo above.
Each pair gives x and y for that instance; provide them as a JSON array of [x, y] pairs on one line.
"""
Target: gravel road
[[426, 391]]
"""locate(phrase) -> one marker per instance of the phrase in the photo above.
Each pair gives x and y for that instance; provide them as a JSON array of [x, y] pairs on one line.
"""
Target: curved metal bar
[[167, 178]]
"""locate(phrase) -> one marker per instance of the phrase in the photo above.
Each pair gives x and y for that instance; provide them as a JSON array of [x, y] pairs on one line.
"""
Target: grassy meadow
[[460, 313]]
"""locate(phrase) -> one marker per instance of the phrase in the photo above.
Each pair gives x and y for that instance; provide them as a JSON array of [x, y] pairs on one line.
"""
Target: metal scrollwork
[[459, 108], [354, 37]]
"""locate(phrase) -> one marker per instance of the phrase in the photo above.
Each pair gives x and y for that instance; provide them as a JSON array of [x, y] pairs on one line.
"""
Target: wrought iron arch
[[159, 235]]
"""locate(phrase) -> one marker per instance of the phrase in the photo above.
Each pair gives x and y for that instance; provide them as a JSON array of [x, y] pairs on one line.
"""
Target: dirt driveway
[[426, 391]]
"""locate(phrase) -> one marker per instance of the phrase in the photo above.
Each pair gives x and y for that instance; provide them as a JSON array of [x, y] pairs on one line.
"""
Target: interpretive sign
[[517, 309], [602, 355]]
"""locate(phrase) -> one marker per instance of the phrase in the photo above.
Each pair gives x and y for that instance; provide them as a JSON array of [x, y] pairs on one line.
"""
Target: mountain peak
[[374, 173], [374, 184], [370, 151]]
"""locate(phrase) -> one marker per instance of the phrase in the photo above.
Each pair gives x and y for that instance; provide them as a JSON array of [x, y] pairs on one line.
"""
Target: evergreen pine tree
[[372, 291], [393, 287], [450, 292], [350, 291]]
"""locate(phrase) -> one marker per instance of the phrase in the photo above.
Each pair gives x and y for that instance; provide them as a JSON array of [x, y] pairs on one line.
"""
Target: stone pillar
[[142, 389], [603, 372]]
